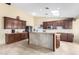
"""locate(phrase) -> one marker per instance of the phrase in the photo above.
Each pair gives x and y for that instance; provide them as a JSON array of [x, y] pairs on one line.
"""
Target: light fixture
[[47, 8], [40, 9], [33, 13]]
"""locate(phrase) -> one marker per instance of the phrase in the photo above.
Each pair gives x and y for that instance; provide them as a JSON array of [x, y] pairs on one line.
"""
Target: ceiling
[[44, 9]]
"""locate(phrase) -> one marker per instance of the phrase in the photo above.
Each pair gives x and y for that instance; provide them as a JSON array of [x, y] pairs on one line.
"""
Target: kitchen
[[47, 32]]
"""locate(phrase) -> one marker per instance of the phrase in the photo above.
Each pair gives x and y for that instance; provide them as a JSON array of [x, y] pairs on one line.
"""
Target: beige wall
[[12, 11], [76, 30]]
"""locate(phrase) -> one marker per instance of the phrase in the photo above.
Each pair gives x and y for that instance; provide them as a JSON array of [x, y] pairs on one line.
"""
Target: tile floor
[[22, 48]]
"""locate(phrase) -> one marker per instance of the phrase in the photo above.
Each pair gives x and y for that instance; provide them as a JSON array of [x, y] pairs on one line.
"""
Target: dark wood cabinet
[[9, 38], [57, 43], [65, 24], [15, 37], [23, 24], [57, 37], [24, 36], [19, 24], [44, 25], [63, 36], [68, 37], [11, 23], [15, 24], [8, 23]]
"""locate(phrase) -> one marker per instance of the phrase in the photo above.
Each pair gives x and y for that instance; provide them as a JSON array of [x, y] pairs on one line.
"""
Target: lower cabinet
[[15, 37], [68, 37], [63, 37], [57, 43], [9, 38], [57, 38]]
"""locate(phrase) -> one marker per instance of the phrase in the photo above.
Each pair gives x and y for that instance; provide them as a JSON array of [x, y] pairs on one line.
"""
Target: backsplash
[[16, 30]]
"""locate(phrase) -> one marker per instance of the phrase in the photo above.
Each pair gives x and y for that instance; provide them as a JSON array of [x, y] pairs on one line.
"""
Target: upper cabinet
[[23, 24], [44, 25], [65, 24], [11, 23]]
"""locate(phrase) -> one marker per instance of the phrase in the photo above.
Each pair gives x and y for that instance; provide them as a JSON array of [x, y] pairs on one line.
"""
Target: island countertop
[[54, 31]]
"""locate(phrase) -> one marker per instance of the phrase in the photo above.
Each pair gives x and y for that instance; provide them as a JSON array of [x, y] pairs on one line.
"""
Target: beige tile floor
[[22, 48]]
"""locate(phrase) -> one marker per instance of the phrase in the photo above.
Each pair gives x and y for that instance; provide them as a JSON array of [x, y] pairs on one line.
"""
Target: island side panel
[[54, 42], [42, 39]]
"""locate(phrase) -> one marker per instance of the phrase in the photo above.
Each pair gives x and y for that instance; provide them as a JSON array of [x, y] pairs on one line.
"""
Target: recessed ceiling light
[[46, 13], [55, 12], [40, 9], [34, 14]]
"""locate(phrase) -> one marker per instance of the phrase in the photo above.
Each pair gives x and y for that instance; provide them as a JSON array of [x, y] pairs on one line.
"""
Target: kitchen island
[[43, 39]]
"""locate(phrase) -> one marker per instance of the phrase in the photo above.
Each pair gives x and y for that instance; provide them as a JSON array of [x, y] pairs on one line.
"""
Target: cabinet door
[[19, 24], [61, 23], [15, 24], [70, 37], [10, 38], [17, 37], [67, 24], [70, 24], [58, 41], [23, 24], [44, 25], [54, 24], [8, 24], [63, 37], [24, 35]]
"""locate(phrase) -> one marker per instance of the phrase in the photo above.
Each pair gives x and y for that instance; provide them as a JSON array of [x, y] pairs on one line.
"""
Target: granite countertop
[[55, 31], [16, 33], [42, 32]]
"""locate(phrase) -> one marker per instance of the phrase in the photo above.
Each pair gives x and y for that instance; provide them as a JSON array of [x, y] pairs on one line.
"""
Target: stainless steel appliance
[[28, 29]]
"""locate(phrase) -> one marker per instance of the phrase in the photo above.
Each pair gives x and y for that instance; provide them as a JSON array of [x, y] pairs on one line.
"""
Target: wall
[[76, 30], [12, 11]]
